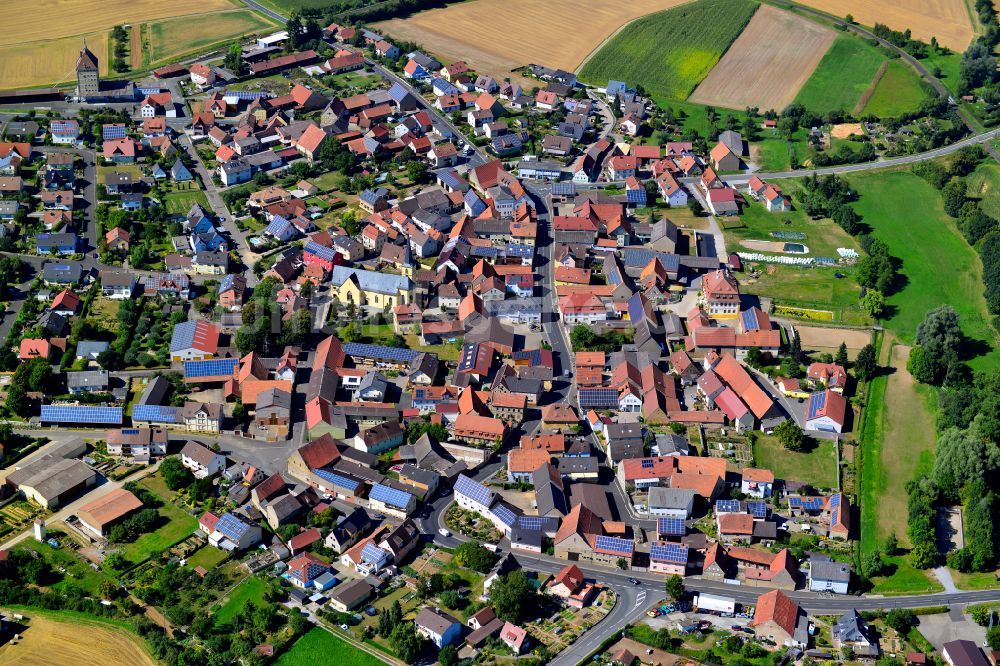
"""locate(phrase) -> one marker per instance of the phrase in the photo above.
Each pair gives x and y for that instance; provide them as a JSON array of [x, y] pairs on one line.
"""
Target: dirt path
[[870, 90], [135, 46]]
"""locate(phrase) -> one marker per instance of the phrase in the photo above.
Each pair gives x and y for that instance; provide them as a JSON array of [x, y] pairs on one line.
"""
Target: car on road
[[633, 581], [443, 532]]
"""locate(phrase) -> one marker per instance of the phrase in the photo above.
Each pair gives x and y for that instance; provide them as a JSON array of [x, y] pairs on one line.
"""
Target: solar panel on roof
[[155, 413], [505, 514], [757, 509], [835, 500], [81, 414], [598, 397], [671, 526], [216, 367], [391, 496], [337, 479], [372, 553], [474, 490], [321, 251], [647, 463], [231, 526], [530, 523], [379, 352], [669, 552], [246, 94], [816, 403], [113, 132], [749, 318], [833, 516], [727, 506], [614, 544]]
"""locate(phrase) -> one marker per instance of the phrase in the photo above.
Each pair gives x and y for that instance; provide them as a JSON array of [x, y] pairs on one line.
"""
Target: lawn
[[177, 36], [949, 64], [903, 579], [179, 525], [670, 52], [78, 573], [179, 203], [207, 557], [813, 288], [774, 154], [984, 184], [817, 466], [823, 237], [842, 77], [251, 589], [938, 265], [322, 647], [899, 91]]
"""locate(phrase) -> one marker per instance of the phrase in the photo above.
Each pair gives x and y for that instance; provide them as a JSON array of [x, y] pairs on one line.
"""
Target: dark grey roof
[[830, 570], [549, 494]]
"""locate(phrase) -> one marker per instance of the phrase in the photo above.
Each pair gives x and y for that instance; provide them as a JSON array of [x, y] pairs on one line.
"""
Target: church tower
[[88, 81]]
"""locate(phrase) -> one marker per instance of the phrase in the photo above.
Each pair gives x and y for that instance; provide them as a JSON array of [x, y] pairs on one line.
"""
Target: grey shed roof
[[839, 572]]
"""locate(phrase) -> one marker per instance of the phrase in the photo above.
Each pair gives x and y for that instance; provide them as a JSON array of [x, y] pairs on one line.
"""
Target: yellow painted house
[[379, 290]]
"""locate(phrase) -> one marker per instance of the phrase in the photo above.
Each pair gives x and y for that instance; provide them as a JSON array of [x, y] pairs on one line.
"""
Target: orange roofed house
[[781, 620], [705, 476], [751, 567], [722, 294]]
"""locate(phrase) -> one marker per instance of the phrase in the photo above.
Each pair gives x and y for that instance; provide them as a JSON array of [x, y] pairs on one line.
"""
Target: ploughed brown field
[[495, 36], [948, 20], [767, 64], [48, 641]]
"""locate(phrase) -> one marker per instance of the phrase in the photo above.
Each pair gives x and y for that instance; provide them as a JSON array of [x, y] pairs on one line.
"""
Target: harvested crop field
[[670, 52], [948, 20], [496, 37], [764, 67], [185, 34], [50, 33], [49, 640]]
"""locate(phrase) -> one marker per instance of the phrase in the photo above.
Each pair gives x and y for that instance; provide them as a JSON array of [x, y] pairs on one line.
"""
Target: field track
[[764, 67], [948, 20], [496, 37], [47, 641]]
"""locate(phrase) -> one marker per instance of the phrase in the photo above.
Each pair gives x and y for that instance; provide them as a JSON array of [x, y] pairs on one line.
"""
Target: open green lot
[[178, 526], [177, 36], [207, 557], [899, 91], [670, 52], [250, 590], [948, 65], [817, 466], [321, 647], [78, 573], [938, 265], [984, 184], [179, 203], [842, 77], [813, 288]]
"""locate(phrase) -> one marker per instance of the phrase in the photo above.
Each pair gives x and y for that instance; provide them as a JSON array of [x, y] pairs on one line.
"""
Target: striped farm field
[[670, 52], [763, 68], [49, 33], [497, 37], [899, 91], [843, 75]]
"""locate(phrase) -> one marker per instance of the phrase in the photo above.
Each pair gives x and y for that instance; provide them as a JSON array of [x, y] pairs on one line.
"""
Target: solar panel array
[[505, 514], [669, 552], [749, 319], [538, 523], [728, 506], [216, 367], [614, 545], [806, 503], [598, 397], [474, 490], [112, 132], [321, 251], [81, 414], [835, 500], [246, 94], [155, 413], [397, 354], [337, 479], [671, 526], [817, 401], [757, 509], [373, 553], [231, 526], [391, 496], [519, 250]]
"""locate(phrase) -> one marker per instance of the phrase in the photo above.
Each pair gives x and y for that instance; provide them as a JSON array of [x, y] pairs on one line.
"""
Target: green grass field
[[321, 647], [899, 91], [670, 52], [810, 288], [179, 203], [179, 526], [173, 37], [251, 589], [78, 573], [207, 557], [843, 75], [817, 467], [939, 266], [949, 65], [984, 184]]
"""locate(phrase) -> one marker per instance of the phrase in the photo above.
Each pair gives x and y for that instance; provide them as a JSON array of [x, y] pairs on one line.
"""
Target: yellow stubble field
[[948, 20], [43, 47], [496, 36], [48, 640]]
